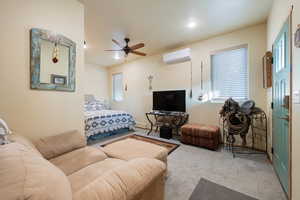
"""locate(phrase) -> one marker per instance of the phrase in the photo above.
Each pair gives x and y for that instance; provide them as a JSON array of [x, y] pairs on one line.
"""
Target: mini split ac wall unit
[[179, 56]]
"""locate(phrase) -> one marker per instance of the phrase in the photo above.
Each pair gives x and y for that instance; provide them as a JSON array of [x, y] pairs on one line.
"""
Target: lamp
[[4, 132]]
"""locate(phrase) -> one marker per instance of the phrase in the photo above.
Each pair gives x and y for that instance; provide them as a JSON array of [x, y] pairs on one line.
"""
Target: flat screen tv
[[169, 101]]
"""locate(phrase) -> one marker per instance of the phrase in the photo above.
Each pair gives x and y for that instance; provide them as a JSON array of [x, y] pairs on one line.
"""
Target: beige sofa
[[63, 167]]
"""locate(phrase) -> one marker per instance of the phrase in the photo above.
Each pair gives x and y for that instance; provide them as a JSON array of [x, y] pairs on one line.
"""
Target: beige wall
[[96, 81], [30, 112], [138, 99], [278, 16]]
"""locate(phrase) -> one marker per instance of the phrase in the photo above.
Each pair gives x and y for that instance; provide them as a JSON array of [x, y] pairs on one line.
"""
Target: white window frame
[[113, 87], [214, 99]]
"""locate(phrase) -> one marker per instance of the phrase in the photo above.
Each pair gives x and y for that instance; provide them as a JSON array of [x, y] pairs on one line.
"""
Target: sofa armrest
[[53, 146], [127, 182], [24, 141]]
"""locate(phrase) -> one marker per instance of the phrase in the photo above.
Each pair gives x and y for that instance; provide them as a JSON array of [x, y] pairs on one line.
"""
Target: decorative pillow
[[88, 107], [89, 97], [96, 105]]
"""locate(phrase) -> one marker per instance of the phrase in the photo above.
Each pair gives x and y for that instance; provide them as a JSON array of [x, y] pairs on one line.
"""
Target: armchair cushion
[[53, 146]]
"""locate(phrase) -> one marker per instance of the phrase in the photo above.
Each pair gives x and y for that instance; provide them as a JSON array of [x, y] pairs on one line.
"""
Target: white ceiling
[[162, 24]]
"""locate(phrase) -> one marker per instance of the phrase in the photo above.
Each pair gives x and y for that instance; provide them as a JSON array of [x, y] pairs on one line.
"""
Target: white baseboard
[[142, 125]]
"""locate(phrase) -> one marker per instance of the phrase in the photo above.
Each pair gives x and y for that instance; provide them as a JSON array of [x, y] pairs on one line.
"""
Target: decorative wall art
[[58, 79], [150, 79], [53, 59], [267, 70]]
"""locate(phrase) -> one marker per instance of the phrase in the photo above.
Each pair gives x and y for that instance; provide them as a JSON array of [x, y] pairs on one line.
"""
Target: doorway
[[281, 104]]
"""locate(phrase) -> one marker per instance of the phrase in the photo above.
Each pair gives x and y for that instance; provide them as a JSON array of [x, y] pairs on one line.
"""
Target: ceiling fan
[[127, 49]]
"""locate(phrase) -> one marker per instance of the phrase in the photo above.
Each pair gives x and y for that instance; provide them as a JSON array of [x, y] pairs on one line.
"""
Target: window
[[118, 87], [230, 74], [280, 64]]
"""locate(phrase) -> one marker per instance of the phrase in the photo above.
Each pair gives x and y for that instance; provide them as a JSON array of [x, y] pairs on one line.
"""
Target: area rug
[[207, 190], [169, 145]]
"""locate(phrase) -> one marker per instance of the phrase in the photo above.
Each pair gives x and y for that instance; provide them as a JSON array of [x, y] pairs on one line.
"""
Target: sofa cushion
[[87, 175], [26, 175], [129, 149], [126, 182], [78, 159], [53, 146]]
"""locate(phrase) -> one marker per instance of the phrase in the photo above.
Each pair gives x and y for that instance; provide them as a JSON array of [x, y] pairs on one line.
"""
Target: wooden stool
[[207, 136]]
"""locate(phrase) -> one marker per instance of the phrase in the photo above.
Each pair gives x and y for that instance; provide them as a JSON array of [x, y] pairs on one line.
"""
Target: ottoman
[[129, 149], [207, 136]]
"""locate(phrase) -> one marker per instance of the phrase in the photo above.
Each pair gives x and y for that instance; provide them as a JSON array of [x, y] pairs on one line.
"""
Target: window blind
[[230, 74], [118, 87]]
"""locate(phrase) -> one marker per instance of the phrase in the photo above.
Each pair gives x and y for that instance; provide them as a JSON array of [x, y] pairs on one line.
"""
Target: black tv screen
[[169, 100]]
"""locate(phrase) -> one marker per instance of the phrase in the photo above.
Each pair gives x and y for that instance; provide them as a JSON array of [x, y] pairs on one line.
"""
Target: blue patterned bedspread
[[103, 121]]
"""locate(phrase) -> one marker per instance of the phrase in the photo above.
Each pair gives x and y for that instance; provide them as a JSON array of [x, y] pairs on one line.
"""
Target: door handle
[[287, 118]]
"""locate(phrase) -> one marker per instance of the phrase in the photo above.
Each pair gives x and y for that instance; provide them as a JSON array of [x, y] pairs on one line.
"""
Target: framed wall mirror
[[52, 62]]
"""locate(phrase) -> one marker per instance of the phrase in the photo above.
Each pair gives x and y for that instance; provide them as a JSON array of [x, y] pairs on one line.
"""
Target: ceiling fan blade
[[117, 43], [114, 50], [138, 53], [137, 46]]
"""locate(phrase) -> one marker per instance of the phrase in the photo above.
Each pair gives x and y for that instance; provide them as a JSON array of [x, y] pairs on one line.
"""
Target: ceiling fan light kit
[[127, 49]]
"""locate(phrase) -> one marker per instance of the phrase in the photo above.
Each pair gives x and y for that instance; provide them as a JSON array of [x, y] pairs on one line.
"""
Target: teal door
[[281, 92]]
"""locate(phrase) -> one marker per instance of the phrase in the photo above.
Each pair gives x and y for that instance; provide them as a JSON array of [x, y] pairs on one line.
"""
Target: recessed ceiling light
[[192, 24], [117, 57]]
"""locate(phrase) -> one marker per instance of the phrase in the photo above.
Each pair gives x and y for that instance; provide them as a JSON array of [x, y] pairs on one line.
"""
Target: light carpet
[[252, 175]]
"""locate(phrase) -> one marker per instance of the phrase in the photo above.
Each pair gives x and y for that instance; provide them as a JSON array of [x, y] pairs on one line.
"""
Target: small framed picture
[[58, 79]]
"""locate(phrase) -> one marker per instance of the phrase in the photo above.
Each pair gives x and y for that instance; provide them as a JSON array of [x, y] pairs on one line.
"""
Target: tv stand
[[166, 118]]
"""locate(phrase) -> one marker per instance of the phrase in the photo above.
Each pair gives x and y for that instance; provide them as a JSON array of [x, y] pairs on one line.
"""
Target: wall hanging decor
[[55, 53], [53, 59], [191, 91], [200, 97], [297, 37], [267, 70], [150, 79]]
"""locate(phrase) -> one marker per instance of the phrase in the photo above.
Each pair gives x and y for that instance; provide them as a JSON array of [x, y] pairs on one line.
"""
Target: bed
[[100, 121]]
